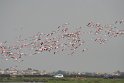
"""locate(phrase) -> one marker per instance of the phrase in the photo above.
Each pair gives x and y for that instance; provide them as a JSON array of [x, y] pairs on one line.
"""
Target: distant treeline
[[71, 75]]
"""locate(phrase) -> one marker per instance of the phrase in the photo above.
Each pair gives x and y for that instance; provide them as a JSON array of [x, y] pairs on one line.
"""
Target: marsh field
[[59, 80]]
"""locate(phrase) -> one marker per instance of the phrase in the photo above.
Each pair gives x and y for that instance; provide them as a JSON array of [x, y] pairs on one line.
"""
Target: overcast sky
[[27, 17]]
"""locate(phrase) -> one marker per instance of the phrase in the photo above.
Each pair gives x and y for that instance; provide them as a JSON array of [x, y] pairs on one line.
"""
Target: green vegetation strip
[[60, 80]]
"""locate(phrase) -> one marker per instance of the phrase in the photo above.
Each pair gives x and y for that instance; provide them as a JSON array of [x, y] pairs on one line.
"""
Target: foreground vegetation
[[61, 80], [88, 80]]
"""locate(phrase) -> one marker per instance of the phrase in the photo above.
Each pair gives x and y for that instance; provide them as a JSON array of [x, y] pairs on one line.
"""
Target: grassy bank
[[87, 80], [62, 80]]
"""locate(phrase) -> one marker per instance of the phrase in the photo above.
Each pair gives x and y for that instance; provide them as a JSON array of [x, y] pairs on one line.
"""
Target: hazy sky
[[27, 17]]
